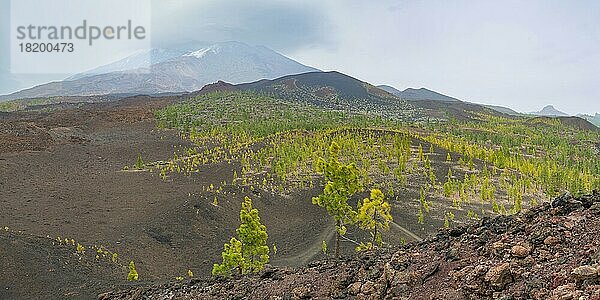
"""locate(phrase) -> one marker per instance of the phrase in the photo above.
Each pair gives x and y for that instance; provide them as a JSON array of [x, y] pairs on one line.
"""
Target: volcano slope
[[70, 173], [63, 176], [549, 252]]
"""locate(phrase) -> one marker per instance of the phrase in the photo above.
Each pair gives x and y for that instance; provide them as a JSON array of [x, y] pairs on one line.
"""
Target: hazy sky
[[521, 54]]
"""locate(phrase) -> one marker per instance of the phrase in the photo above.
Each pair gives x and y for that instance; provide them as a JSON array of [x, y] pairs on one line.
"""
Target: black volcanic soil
[[41, 268], [550, 252], [61, 175], [574, 122]]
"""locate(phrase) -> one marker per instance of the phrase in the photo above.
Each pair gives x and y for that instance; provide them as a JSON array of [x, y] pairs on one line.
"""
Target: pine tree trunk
[[374, 237], [240, 266], [337, 240]]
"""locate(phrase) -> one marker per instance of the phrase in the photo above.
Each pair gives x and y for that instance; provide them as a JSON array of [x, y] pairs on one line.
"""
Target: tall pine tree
[[341, 182]]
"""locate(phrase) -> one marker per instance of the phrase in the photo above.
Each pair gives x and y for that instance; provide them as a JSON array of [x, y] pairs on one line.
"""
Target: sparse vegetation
[[279, 146]]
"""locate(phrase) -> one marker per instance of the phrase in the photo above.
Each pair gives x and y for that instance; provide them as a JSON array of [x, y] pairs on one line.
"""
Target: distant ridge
[[595, 119], [573, 122], [441, 106], [390, 89], [417, 94], [504, 110], [424, 94]]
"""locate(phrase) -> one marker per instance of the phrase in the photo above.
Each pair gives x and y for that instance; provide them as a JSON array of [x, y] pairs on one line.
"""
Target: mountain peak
[[229, 46], [170, 70], [550, 111]]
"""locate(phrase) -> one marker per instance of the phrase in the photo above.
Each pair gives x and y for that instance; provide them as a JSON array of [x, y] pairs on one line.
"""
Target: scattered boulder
[[519, 251], [354, 288], [566, 292], [302, 292], [551, 241], [585, 272], [368, 288], [499, 276]]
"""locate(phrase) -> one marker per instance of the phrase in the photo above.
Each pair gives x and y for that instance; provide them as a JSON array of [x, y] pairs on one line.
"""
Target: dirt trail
[[406, 231], [309, 253], [327, 235]]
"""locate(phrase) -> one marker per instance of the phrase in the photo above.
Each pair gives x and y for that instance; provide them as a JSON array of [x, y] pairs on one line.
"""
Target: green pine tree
[[341, 182], [139, 163], [232, 259], [133, 274], [247, 253], [374, 215]]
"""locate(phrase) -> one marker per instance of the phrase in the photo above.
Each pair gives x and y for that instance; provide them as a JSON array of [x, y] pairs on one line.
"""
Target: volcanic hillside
[[549, 252], [330, 90], [159, 181]]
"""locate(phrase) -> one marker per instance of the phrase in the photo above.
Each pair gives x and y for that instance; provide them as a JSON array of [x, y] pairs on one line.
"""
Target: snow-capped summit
[[200, 53], [171, 70]]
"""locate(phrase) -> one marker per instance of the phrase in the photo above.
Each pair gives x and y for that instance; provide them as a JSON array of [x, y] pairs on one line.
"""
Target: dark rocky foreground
[[550, 252]]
